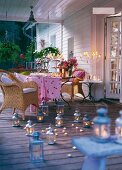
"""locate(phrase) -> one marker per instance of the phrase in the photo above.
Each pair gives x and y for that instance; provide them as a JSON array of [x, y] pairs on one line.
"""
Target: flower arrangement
[[69, 64]]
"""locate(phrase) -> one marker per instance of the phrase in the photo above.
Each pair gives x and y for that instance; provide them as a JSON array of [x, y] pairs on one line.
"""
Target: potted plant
[[46, 51]]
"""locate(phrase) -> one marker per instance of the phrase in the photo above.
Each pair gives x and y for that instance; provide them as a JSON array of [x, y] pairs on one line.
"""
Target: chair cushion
[[79, 74], [67, 83], [6, 80], [28, 90], [20, 77]]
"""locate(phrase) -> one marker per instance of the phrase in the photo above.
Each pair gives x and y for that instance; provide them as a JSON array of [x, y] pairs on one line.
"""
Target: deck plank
[[14, 152]]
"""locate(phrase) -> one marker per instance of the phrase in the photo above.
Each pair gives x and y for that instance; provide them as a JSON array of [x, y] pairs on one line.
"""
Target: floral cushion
[[79, 75], [6, 80]]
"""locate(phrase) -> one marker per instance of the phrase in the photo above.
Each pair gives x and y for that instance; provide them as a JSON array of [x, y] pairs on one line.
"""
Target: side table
[[96, 153], [89, 84]]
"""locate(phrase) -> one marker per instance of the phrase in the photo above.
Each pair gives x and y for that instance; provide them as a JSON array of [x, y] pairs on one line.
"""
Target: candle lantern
[[60, 108], [101, 126], [29, 128], [15, 120], [59, 120], [40, 115], [51, 138], [118, 128], [86, 121], [77, 117], [36, 148], [44, 107]]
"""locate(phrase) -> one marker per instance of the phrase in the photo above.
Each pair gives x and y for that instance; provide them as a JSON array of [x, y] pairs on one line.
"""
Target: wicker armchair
[[18, 95], [74, 85]]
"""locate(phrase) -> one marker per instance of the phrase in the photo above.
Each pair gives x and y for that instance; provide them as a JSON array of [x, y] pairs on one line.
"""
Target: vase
[[70, 72]]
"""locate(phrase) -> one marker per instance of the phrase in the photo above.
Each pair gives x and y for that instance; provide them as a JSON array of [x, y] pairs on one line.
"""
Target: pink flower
[[72, 62]]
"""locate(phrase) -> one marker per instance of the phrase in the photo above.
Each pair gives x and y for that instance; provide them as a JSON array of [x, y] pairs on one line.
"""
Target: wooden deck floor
[[14, 152]]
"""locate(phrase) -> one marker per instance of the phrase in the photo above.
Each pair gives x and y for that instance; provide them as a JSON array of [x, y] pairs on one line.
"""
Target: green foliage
[[9, 53], [29, 52], [49, 50]]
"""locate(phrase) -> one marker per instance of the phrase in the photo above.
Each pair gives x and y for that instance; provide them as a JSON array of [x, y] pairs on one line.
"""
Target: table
[[89, 84], [48, 87], [96, 153]]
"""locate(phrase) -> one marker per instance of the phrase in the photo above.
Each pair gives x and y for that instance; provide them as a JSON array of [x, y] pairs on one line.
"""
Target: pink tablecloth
[[48, 87]]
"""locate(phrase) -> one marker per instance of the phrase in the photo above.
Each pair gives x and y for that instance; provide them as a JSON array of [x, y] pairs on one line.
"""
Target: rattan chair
[[73, 85], [18, 95]]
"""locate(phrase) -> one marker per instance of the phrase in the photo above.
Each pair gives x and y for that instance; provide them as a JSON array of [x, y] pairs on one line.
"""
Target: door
[[113, 57]]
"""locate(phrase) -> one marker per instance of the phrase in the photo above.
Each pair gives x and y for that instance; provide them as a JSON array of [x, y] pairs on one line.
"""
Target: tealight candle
[[81, 130], [65, 133], [64, 128], [56, 134], [55, 130], [72, 125], [74, 147], [69, 155], [43, 131]]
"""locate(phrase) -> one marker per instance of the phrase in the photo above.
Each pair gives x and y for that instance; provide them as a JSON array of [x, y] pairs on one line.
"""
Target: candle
[[56, 134], [81, 130], [63, 131], [74, 147], [104, 133], [69, 155]]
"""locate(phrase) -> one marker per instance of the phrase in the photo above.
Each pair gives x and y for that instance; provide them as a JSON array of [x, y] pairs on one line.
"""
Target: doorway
[[113, 69]]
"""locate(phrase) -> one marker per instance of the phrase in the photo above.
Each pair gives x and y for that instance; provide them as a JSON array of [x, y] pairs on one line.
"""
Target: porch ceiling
[[55, 10], [19, 10]]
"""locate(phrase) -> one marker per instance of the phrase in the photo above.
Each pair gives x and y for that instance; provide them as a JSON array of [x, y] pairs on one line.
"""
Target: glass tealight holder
[[118, 128], [36, 148], [101, 126], [40, 115], [51, 138], [77, 116], [60, 108], [29, 128], [86, 121], [16, 120], [59, 121], [45, 109]]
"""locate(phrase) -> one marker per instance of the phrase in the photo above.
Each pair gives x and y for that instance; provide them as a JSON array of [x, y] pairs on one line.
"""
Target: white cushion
[[28, 90], [6, 80], [67, 83], [20, 77]]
